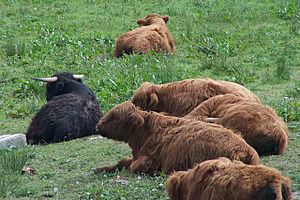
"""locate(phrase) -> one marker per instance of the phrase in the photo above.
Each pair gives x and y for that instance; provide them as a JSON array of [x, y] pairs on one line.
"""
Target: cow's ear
[[136, 119], [141, 22], [152, 101], [165, 18], [173, 186]]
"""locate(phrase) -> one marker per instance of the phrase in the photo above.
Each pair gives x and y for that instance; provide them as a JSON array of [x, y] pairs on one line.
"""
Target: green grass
[[255, 43], [11, 164]]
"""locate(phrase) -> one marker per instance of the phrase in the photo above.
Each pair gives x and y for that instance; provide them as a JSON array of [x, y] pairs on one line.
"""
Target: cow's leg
[[124, 163], [141, 165]]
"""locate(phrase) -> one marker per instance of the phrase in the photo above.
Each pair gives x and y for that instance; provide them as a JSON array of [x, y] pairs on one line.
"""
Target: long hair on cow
[[123, 119], [181, 97], [152, 19], [258, 124], [147, 97], [169, 143], [222, 179]]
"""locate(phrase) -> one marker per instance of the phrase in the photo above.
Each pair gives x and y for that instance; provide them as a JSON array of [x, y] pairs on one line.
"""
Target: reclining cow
[[259, 125], [71, 111], [169, 143], [181, 97], [223, 179], [152, 35]]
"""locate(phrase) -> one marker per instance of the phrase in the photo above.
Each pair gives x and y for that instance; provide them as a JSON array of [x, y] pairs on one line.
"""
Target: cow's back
[[193, 143]]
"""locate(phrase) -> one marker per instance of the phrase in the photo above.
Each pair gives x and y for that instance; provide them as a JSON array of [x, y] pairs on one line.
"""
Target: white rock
[[9, 141], [296, 195]]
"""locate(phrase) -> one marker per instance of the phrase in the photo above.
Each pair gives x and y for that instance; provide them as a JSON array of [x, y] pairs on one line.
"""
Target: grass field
[[255, 43]]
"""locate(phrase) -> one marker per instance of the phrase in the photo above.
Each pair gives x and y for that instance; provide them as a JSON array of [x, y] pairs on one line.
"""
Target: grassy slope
[[233, 40]]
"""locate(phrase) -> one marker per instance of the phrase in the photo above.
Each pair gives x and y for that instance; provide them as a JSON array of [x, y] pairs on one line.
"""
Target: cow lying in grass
[[72, 111], [169, 143], [181, 97], [222, 179], [153, 35], [259, 125]]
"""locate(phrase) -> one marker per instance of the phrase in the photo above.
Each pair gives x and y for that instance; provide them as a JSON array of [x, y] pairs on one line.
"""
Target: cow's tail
[[173, 186]]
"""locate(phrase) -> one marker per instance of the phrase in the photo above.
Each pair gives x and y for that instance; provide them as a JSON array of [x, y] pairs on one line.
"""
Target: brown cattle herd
[[206, 134], [168, 128]]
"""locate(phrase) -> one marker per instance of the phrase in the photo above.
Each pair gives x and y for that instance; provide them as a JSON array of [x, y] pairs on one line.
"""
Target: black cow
[[71, 111]]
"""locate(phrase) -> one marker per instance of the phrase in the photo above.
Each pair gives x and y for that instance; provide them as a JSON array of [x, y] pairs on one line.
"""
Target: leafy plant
[[289, 109], [282, 70], [294, 90]]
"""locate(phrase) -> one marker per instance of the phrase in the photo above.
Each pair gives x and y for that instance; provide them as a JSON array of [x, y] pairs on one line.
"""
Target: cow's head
[[60, 83], [181, 181], [174, 185], [151, 19], [146, 96], [120, 122]]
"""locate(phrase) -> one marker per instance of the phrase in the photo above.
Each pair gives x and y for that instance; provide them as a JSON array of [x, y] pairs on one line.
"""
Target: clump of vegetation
[[14, 48], [294, 90], [11, 163], [282, 70], [289, 107]]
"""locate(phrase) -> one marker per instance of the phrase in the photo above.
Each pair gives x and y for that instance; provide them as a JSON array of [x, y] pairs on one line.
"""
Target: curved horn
[[211, 119], [48, 80], [78, 76]]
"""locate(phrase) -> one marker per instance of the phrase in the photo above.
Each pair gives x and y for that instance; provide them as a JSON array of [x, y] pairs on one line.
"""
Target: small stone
[[120, 180], [296, 195], [11, 141]]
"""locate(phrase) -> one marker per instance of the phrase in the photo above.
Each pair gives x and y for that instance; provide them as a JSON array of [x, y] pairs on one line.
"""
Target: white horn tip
[[80, 76], [48, 80], [212, 120]]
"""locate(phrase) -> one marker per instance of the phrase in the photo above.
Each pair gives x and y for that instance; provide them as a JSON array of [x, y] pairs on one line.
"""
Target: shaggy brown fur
[[180, 98], [153, 35], [222, 179], [259, 125], [169, 143]]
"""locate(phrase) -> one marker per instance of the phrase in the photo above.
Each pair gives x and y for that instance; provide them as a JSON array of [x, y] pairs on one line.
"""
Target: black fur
[[266, 193], [72, 111], [57, 88]]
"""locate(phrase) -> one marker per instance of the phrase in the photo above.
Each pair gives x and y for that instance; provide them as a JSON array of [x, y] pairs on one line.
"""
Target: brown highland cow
[[152, 35], [169, 143], [181, 97], [222, 179], [259, 125]]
